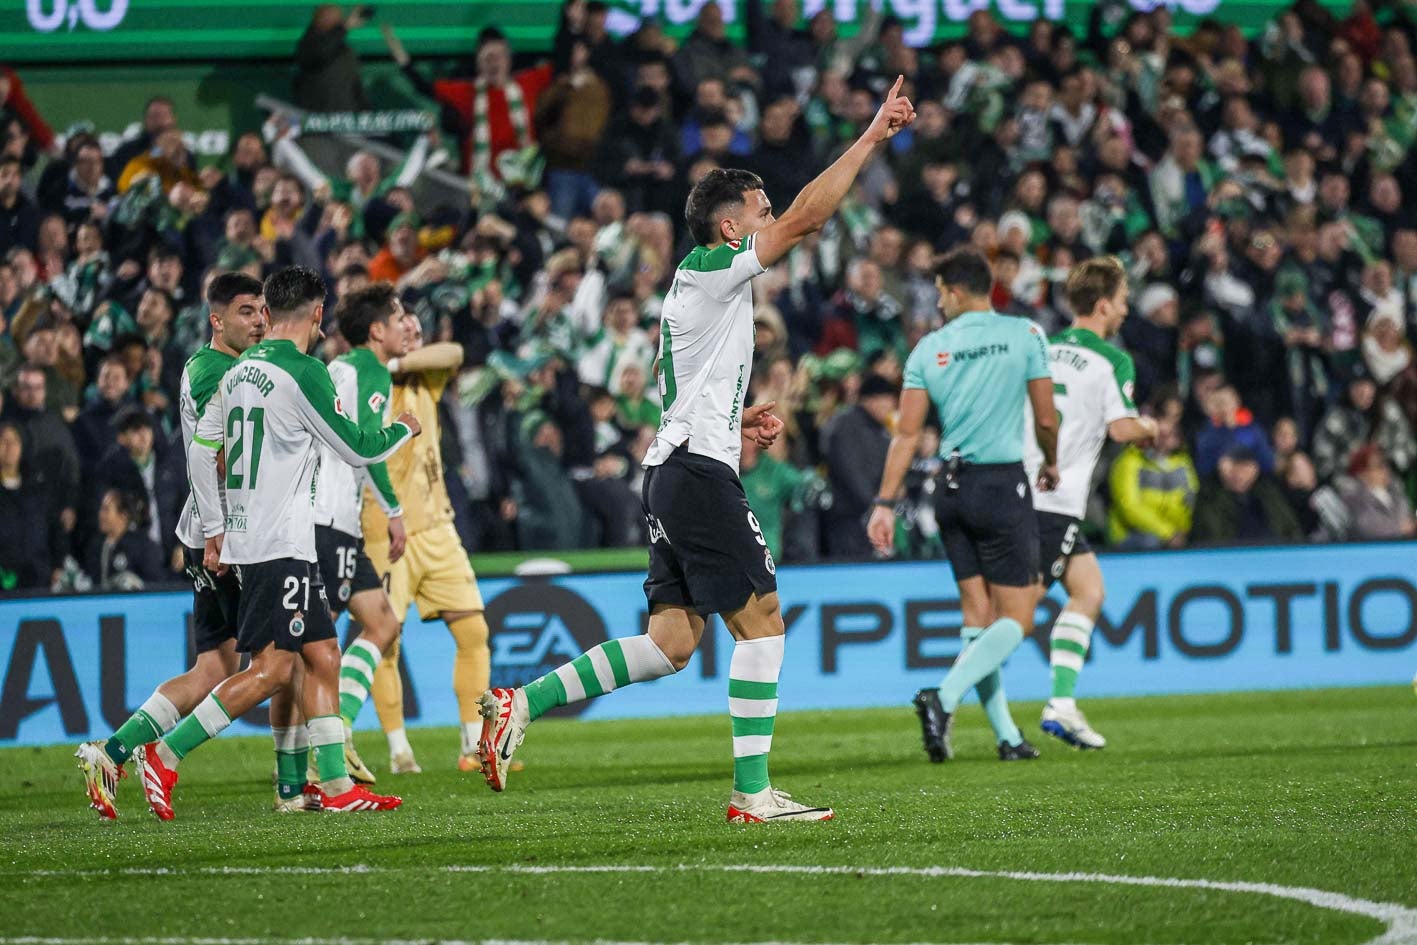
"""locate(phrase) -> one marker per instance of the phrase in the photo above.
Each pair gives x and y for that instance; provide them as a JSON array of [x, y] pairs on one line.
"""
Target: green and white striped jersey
[[706, 353], [272, 411], [1092, 386], [200, 377], [364, 387]]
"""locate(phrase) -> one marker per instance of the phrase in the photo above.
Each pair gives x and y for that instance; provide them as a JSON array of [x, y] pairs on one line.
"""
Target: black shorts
[[215, 602], [988, 524], [706, 548], [282, 602], [1059, 538], [344, 566]]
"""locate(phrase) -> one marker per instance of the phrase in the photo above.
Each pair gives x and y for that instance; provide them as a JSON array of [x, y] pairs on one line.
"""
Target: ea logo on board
[[63, 12], [535, 627]]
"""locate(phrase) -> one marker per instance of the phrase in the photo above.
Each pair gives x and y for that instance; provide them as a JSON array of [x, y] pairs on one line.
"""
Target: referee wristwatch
[[882, 503]]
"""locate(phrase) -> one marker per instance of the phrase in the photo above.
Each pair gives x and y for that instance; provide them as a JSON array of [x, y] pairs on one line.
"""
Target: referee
[[977, 370]]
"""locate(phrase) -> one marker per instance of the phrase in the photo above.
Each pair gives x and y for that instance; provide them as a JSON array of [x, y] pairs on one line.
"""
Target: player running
[[707, 553], [371, 320], [434, 569], [238, 322], [271, 410], [1092, 388], [978, 370]]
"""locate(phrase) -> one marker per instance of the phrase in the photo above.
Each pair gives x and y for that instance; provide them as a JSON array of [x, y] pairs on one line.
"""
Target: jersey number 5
[[238, 442]]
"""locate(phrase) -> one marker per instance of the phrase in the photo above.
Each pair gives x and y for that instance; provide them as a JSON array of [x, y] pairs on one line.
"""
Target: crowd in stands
[[1260, 191]]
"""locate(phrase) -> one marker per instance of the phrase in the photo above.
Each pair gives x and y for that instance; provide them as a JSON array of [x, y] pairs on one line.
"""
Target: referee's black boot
[[935, 724], [1023, 751]]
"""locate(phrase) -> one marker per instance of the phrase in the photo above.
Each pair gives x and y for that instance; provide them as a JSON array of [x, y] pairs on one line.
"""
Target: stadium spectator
[[771, 486], [1361, 417], [326, 67], [122, 557], [549, 514], [19, 217], [158, 114], [134, 467], [83, 191], [94, 432], [638, 155], [1230, 425], [492, 113], [48, 442], [1241, 504], [1154, 489], [32, 540], [15, 101], [1374, 503], [571, 117], [855, 444], [168, 160]]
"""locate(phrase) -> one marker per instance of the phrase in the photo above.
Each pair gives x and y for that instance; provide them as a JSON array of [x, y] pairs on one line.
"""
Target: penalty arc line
[[1400, 920]]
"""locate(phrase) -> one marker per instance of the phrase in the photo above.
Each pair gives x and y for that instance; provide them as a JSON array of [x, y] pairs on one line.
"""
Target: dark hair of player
[[227, 286], [1093, 280], [718, 194], [965, 267], [364, 308], [289, 292]]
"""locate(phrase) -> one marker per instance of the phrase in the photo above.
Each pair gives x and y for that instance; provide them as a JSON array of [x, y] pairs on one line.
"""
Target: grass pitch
[[1310, 789]]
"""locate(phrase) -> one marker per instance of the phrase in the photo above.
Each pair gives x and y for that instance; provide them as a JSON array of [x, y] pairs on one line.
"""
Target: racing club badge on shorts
[[297, 624]]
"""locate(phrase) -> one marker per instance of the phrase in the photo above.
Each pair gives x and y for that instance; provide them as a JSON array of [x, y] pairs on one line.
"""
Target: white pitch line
[[1400, 920]]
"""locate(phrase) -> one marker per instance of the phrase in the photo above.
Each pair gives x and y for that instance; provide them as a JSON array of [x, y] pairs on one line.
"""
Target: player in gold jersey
[[434, 571]]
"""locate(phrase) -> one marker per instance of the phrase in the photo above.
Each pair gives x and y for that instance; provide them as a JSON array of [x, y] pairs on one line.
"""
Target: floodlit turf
[[1308, 789]]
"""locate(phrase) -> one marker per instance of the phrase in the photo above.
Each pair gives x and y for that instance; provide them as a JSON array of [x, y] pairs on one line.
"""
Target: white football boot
[[504, 720], [771, 805], [1068, 724]]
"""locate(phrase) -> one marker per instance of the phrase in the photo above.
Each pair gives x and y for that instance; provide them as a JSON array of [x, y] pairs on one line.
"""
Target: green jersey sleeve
[[354, 445], [375, 389]]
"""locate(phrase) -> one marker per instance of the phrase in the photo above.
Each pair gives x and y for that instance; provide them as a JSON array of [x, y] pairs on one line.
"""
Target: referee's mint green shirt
[[976, 370]]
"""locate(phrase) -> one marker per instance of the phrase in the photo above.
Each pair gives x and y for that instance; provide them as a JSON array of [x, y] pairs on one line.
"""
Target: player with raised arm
[[707, 553], [1092, 388], [272, 409], [434, 570], [238, 321], [371, 320], [978, 369]]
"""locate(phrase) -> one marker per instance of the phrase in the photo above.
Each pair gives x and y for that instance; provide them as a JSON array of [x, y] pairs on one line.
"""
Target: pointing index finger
[[895, 89]]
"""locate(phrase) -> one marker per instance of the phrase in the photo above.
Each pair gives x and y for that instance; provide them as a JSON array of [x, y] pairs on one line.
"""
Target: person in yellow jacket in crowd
[[434, 571], [1154, 489]]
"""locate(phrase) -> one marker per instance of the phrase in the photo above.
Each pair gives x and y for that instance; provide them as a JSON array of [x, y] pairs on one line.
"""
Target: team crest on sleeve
[[339, 409], [1127, 388], [376, 401]]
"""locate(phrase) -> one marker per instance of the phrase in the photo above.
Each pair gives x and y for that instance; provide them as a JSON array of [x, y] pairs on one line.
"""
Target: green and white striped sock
[[154, 718], [1072, 634], [327, 740], [356, 675], [752, 704], [292, 756], [206, 722], [595, 672]]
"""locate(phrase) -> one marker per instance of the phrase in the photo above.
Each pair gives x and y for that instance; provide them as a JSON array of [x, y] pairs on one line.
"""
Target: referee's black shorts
[[706, 548], [989, 526]]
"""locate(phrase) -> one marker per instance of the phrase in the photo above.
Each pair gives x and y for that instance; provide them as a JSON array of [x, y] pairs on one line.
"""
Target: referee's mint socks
[[978, 660]]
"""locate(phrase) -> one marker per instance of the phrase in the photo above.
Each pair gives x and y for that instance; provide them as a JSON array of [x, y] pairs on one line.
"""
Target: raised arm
[[439, 356], [817, 202]]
